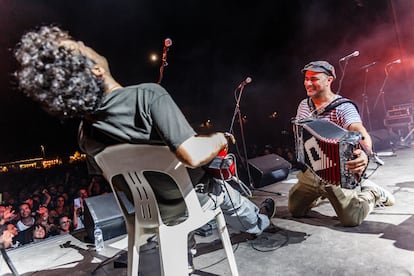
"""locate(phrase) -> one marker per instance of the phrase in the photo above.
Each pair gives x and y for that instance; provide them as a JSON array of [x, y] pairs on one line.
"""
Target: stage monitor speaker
[[268, 169], [103, 210], [382, 139]]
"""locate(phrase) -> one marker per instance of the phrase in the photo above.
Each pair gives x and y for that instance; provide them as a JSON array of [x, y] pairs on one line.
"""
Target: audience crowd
[[37, 204]]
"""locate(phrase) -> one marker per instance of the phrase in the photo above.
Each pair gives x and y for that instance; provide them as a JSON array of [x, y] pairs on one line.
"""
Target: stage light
[[153, 57], [274, 115]]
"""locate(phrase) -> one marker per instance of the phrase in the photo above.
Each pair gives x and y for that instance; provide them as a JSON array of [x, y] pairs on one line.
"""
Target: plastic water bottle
[[99, 241]]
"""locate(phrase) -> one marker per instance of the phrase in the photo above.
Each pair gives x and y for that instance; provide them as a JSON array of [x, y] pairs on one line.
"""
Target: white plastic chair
[[133, 163]]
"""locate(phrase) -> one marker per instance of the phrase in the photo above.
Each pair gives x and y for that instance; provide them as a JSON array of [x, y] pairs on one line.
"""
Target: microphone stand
[[237, 112], [382, 96], [365, 102], [381, 91], [342, 76], [163, 63]]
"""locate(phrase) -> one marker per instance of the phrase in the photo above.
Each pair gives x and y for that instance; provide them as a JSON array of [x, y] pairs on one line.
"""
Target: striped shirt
[[343, 115]]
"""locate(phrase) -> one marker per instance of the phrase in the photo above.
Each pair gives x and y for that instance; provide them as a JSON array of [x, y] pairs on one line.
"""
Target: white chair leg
[[225, 239], [133, 250], [133, 261], [173, 252]]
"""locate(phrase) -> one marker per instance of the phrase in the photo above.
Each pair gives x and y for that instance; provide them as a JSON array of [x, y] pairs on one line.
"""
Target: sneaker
[[383, 196], [190, 264], [268, 208]]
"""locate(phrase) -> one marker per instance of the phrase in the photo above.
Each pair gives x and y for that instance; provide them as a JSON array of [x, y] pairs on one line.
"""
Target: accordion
[[323, 147]]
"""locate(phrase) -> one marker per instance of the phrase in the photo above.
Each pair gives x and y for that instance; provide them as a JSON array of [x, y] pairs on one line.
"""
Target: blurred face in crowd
[[36, 198], [53, 215], [39, 232], [60, 201], [12, 229], [25, 210], [2, 209], [30, 202], [83, 193], [52, 190], [64, 224], [6, 239], [43, 212]]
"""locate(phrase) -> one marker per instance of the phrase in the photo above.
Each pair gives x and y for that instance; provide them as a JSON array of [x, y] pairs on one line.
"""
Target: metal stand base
[[405, 139]]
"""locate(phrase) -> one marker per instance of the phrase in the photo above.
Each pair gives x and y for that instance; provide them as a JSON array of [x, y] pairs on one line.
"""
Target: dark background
[[216, 45]]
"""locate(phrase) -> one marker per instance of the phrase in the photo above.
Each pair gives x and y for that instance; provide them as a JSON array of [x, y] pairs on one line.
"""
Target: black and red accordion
[[323, 147]]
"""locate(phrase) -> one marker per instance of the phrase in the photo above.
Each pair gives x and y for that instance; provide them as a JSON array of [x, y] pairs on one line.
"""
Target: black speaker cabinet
[[383, 139], [268, 169], [103, 210]]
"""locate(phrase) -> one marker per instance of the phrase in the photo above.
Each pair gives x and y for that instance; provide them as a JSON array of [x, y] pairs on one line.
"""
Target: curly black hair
[[58, 78]]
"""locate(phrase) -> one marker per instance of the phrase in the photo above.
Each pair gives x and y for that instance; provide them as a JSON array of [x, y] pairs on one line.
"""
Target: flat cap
[[320, 66]]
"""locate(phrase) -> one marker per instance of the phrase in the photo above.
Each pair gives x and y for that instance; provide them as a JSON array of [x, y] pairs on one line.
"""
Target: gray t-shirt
[[139, 114]]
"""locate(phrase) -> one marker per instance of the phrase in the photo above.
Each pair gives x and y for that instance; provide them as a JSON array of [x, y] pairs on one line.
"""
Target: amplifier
[[398, 121], [405, 105], [400, 112]]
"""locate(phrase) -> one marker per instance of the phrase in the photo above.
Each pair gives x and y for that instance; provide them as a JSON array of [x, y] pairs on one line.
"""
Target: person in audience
[[79, 205], [6, 214], [26, 220], [39, 233], [37, 201], [44, 220], [6, 197], [65, 225], [53, 193], [62, 192], [13, 229], [94, 187], [25, 224], [61, 206], [47, 198], [6, 238]]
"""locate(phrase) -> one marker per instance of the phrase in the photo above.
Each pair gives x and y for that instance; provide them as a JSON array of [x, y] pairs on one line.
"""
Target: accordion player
[[323, 147]]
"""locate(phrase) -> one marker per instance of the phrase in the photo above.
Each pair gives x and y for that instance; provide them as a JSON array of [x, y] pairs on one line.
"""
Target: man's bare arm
[[197, 151]]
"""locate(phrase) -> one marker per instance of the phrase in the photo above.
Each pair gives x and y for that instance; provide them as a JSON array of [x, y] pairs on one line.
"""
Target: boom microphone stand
[[365, 106], [237, 112], [167, 44], [343, 68], [381, 94]]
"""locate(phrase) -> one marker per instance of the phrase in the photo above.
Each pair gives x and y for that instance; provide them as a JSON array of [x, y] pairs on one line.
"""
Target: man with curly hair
[[71, 80]]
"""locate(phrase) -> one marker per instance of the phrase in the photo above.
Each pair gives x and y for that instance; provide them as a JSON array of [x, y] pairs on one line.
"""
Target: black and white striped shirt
[[343, 115]]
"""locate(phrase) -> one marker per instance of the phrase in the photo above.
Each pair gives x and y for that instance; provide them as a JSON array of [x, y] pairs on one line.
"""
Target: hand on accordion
[[358, 164], [230, 137]]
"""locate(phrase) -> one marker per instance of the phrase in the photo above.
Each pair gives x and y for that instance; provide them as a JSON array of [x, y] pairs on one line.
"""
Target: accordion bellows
[[324, 148]]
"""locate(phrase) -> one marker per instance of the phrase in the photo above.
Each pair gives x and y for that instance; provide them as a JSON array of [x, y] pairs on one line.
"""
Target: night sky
[[216, 45]]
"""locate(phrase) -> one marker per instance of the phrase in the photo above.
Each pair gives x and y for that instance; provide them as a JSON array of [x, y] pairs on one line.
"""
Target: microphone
[[368, 65], [394, 62], [354, 54], [246, 81], [167, 42]]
